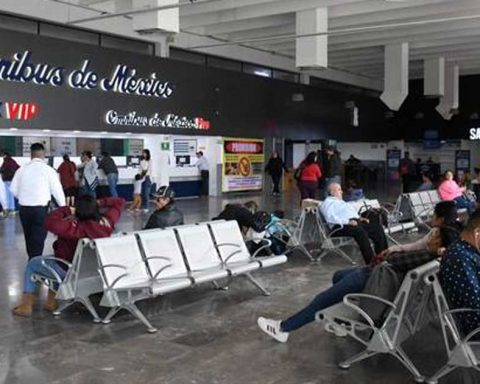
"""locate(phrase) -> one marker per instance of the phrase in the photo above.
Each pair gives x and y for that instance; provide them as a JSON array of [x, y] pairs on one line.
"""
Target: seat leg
[[358, 357], [218, 287], [88, 304], [110, 315], [132, 308], [61, 306], [257, 284], [341, 253], [445, 370], [405, 360]]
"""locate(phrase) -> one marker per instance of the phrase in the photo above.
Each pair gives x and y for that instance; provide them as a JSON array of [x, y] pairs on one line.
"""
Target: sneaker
[[146, 210], [272, 328], [337, 329]]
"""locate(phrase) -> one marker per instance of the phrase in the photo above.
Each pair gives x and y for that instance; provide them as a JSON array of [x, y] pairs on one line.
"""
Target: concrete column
[[312, 51], [434, 77], [450, 99], [162, 48], [167, 20], [396, 75]]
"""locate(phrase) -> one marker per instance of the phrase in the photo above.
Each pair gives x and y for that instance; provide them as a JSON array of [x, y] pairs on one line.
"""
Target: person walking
[[274, 168], [67, 171], [107, 165], [146, 172], [309, 176], [203, 167], [33, 185], [406, 169], [8, 169]]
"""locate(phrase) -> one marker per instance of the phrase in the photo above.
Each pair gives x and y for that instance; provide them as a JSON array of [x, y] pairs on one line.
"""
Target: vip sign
[[18, 111]]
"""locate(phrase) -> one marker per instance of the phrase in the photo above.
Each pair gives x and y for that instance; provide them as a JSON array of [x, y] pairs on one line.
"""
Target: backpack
[[384, 283], [261, 219]]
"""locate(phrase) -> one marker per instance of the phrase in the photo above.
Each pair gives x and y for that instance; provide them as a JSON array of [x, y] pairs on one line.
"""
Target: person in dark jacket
[[274, 168], [90, 218], [332, 169], [242, 214], [166, 214], [8, 169], [110, 168], [406, 169]]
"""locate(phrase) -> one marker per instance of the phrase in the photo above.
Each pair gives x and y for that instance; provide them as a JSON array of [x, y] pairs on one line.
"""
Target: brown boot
[[25, 307], [51, 304]]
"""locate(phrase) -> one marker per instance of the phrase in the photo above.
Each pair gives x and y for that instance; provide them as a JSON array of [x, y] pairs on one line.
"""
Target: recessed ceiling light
[[46, 130], [128, 133], [104, 132], [13, 129], [77, 131]]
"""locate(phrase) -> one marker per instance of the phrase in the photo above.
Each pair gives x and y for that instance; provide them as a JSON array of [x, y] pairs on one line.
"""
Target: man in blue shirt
[[460, 274], [345, 222]]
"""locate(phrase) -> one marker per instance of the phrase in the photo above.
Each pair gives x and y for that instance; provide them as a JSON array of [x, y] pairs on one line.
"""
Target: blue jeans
[[112, 179], [35, 266], [146, 188], [345, 281], [9, 196], [463, 202]]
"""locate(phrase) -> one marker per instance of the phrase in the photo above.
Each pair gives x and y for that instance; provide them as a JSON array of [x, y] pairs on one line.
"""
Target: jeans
[[463, 202], [112, 179], [146, 188], [329, 180], [308, 189], [9, 196], [33, 219], [35, 266], [276, 178], [204, 183], [351, 280]]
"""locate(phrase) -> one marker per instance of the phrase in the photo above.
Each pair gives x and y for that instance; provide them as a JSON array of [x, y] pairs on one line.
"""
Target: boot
[[51, 304], [25, 307]]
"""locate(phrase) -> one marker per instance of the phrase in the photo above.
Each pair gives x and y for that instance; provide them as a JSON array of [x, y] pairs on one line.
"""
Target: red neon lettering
[[12, 110]]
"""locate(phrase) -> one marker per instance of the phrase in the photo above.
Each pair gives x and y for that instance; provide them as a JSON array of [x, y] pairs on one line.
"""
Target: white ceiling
[[358, 30]]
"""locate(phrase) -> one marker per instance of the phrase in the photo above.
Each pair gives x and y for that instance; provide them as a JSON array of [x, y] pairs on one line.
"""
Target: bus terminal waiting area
[[205, 330]]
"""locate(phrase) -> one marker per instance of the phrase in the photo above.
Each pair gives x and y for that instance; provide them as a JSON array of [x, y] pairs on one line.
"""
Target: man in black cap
[[166, 214]]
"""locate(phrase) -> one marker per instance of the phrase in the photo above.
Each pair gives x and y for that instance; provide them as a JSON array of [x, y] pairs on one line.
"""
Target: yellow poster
[[243, 163]]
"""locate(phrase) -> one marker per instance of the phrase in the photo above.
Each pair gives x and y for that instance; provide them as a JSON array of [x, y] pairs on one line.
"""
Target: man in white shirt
[[33, 185], [202, 165], [344, 220]]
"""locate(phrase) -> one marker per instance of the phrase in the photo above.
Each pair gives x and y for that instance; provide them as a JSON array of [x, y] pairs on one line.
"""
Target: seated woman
[[90, 218], [460, 275], [450, 190], [353, 280], [427, 184]]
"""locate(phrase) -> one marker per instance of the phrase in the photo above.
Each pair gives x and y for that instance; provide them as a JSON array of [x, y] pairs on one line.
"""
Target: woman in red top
[[70, 225], [67, 170], [310, 175]]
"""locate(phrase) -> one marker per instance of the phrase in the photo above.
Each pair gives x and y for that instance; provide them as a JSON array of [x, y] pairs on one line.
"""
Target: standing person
[[202, 165], [309, 178], [67, 171], [34, 185], [406, 169], [89, 178], [8, 169], [332, 169], [274, 168], [137, 193], [70, 225], [146, 172], [107, 164]]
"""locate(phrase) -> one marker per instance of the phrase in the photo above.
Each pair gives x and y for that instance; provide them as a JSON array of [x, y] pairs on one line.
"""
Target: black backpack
[[261, 219]]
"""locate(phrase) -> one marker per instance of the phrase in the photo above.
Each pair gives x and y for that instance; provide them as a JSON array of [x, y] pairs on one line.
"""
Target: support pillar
[[396, 75], [312, 52]]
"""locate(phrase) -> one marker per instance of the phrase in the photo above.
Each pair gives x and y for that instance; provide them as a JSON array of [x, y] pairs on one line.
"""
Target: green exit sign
[[165, 146]]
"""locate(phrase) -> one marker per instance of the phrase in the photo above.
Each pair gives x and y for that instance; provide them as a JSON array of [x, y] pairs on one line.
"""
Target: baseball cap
[[165, 191]]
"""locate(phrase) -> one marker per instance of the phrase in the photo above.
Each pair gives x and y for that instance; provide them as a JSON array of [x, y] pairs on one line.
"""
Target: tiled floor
[[204, 336]]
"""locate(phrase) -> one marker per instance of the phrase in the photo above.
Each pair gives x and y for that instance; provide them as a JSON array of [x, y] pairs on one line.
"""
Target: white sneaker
[[145, 210], [272, 328]]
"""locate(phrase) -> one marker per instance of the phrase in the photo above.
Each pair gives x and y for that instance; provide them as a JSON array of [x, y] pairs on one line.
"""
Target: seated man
[[460, 274], [166, 214], [353, 280], [345, 221]]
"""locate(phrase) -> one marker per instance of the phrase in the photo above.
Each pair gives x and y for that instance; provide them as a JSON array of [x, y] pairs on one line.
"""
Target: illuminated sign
[[18, 111], [170, 120], [124, 78], [474, 133], [249, 147]]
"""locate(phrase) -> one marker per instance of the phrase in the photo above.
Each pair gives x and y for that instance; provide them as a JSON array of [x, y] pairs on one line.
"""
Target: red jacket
[[311, 172], [69, 229]]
